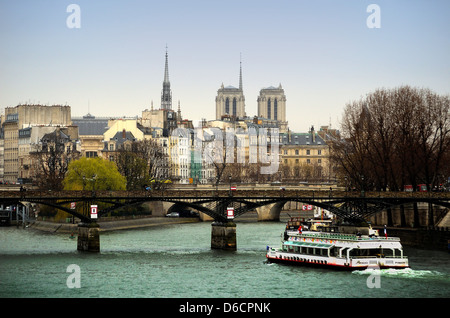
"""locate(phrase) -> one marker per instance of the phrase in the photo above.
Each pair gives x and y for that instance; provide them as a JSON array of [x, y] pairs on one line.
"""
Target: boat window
[[333, 251]]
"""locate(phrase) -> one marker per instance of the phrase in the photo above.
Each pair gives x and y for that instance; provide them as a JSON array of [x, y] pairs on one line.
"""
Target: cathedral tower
[[272, 106], [272, 103], [230, 101]]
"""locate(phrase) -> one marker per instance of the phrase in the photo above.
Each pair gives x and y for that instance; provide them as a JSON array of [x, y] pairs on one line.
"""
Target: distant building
[[272, 106], [51, 157], [156, 119], [163, 118], [91, 130], [122, 140], [23, 116], [31, 140], [230, 101], [304, 157]]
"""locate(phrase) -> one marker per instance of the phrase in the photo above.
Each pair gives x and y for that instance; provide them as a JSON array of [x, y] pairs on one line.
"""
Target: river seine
[[176, 261]]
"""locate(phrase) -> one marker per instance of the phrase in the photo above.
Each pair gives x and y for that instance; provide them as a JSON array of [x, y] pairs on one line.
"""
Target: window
[[307, 152], [268, 109], [111, 147], [275, 109], [296, 152], [227, 106], [319, 152], [234, 107]]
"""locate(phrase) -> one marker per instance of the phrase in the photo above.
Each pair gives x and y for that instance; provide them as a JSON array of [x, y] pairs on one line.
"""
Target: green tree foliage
[[93, 174]]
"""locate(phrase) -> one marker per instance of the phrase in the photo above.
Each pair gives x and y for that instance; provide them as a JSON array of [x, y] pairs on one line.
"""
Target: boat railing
[[342, 236], [377, 256]]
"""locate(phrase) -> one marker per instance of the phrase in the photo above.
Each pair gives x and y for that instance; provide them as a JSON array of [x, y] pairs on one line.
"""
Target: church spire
[[166, 95], [240, 74], [166, 69]]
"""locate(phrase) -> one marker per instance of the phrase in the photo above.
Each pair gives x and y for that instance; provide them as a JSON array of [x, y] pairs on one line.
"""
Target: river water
[[176, 261]]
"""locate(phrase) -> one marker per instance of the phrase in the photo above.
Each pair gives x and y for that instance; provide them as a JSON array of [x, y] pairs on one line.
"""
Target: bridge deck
[[195, 194]]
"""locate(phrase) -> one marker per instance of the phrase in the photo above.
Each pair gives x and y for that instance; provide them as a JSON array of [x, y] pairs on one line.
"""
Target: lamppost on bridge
[[346, 185], [362, 186]]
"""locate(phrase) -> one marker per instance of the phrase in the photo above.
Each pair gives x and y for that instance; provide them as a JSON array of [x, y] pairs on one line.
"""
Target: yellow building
[[304, 157], [123, 124]]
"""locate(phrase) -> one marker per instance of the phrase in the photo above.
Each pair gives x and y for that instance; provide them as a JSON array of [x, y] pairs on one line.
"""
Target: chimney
[[313, 134], [124, 134]]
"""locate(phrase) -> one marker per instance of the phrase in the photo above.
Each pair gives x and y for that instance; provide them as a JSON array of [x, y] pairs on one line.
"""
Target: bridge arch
[[215, 203], [268, 208]]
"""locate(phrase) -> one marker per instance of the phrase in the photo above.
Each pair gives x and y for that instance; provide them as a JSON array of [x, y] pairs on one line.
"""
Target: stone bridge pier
[[223, 236], [88, 237], [270, 212]]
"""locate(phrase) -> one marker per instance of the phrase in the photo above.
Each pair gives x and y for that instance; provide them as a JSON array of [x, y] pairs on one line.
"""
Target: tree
[[394, 137], [134, 168], [51, 160], [144, 163], [93, 174]]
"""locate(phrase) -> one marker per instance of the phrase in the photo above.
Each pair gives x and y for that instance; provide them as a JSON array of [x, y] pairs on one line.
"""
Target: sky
[[324, 53]]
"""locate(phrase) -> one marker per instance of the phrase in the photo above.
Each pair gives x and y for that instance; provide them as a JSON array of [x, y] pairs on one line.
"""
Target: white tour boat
[[323, 245]]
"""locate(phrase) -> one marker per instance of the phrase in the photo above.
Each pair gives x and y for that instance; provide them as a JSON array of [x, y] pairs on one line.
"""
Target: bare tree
[[394, 137], [51, 160], [143, 163]]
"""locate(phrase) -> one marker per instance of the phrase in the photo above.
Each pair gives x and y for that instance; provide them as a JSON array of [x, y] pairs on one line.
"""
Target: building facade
[[91, 130], [304, 157], [23, 116]]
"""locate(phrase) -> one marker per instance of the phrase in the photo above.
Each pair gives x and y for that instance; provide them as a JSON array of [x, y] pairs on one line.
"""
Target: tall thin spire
[[166, 95], [166, 69], [240, 72]]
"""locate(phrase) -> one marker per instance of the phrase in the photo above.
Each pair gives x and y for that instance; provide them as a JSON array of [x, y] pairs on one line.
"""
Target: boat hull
[[305, 260]]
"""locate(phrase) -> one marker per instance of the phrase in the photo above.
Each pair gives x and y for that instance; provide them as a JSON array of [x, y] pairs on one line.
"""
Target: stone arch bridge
[[348, 206]]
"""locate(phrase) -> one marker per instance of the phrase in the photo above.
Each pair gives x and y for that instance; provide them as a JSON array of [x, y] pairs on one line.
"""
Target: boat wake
[[403, 273]]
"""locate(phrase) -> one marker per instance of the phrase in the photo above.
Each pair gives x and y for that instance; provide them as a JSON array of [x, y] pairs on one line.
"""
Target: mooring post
[[223, 236], [88, 237]]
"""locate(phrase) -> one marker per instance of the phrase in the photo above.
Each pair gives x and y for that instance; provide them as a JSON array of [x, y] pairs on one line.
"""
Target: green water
[[176, 261]]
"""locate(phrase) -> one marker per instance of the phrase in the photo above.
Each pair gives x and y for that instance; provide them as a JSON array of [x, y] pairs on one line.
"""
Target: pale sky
[[322, 52]]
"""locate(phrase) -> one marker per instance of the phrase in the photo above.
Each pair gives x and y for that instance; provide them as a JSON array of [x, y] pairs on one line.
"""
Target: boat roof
[[308, 244], [340, 236]]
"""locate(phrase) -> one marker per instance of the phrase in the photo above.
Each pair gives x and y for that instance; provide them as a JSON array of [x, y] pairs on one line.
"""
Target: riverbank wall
[[110, 225], [428, 238]]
